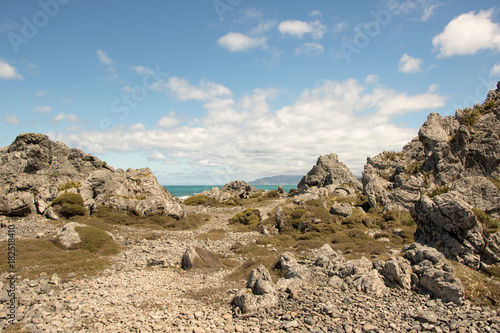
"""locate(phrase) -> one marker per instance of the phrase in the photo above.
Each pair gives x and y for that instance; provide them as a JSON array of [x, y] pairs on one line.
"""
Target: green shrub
[[69, 184], [197, 200], [69, 205], [273, 194], [292, 190], [392, 155], [70, 198], [69, 210], [96, 240], [249, 216], [298, 213], [470, 116]]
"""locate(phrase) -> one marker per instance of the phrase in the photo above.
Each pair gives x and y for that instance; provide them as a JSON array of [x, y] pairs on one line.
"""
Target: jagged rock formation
[[237, 188], [329, 171], [448, 177], [35, 170]]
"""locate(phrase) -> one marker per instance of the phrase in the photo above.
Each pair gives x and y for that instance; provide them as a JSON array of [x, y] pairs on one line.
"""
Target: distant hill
[[277, 180]]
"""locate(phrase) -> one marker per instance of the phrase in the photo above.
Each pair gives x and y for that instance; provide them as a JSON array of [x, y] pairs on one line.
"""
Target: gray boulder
[[341, 209], [67, 236], [190, 258], [398, 272], [433, 273], [260, 293], [329, 171]]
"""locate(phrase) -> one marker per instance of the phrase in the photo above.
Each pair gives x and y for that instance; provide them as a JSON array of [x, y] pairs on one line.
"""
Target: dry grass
[[480, 288], [35, 256], [213, 234]]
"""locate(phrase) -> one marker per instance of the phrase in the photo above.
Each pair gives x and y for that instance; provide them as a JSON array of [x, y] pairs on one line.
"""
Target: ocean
[[183, 191]]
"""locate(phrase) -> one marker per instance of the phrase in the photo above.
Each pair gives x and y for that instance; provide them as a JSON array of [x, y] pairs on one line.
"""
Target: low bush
[[96, 240], [491, 225], [197, 200], [249, 216], [273, 194], [69, 205]]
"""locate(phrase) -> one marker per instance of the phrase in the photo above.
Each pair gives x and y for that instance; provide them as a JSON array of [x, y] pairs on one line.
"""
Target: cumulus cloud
[[169, 120], [408, 64], [298, 29], [468, 34], [495, 70], [238, 42], [156, 156], [40, 93], [70, 118], [8, 72], [11, 119], [349, 118], [310, 49], [103, 57], [42, 109]]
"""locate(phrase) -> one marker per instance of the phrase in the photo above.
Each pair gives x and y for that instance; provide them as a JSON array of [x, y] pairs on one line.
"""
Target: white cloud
[[184, 91], [408, 64], [66, 100], [42, 109], [339, 27], [310, 49], [169, 120], [11, 119], [372, 79], [249, 138], [70, 118], [238, 42], [8, 72], [495, 70], [468, 34], [298, 29], [40, 93], [263, 27], [156, 156], [141, 70], [104, 58], [315, 12]]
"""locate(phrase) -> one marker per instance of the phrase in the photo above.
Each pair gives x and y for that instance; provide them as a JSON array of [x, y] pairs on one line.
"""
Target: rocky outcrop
[[35, 170], [454, 151], [237, 188], [329, 171], [445, 177]]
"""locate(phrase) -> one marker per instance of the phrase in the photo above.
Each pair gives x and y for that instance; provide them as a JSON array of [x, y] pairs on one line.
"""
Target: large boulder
[[237, 188], [433, 273], [260, 293], [35, 170], [329, 171], [449, 224]]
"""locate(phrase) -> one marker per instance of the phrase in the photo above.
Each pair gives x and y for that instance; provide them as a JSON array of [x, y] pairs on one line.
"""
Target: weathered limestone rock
[[68, 236], [341, 209], [260, 293], [35, 170], [434, 273], [189, 258], [398, 272], [329, 171]]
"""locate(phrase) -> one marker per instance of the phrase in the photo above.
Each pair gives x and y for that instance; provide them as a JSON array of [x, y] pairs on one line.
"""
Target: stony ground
[[133, 297]]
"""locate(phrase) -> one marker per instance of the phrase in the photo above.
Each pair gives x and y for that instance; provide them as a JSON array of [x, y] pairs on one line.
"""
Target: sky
[[209, 91]]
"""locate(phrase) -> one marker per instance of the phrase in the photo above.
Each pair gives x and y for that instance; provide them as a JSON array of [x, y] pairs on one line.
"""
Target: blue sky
[[204, 92]]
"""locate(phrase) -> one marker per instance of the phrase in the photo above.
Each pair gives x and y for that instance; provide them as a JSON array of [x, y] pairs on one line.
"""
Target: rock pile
[[35, 170]]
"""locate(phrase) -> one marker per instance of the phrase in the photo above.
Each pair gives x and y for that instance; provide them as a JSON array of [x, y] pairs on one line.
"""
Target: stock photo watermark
[[31, 26], [366, 32], [223, 6], [12, 272], [130, 99]]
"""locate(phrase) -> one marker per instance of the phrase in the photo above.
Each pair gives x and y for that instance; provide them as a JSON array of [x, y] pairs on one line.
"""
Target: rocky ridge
[[448, 178], [35, 170]]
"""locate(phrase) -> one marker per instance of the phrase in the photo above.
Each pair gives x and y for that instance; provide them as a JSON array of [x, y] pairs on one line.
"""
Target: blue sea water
[[182, 191]]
